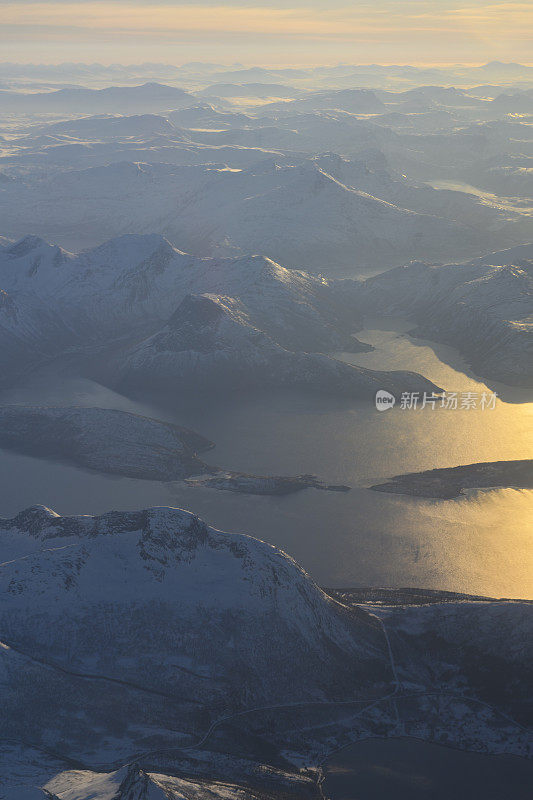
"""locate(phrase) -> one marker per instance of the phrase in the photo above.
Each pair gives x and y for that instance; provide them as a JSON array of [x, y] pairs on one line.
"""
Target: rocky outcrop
[[450, 482], [133, 446], [105, 440]]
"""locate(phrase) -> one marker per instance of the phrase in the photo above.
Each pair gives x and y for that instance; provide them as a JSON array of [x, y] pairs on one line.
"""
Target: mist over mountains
[[334, 180], [216, 258]]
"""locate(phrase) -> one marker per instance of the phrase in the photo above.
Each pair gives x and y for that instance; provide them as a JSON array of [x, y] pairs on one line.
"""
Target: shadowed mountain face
[[130, 445], [149, 97], [225, 621], [105, 440], [250, 320], [253, 325], [151, 639], [210, 342], [482, 308]]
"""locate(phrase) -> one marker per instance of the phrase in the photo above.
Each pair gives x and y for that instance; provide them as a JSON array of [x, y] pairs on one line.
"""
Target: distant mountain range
[[327, 214], [202, 73], [333, 179], [118, 99]]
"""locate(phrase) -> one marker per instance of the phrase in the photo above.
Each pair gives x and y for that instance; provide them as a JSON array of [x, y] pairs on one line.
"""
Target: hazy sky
[[267, 31]]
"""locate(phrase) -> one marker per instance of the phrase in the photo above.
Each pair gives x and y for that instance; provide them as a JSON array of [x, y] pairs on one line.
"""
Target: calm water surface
[[479, 544], [408, 769]]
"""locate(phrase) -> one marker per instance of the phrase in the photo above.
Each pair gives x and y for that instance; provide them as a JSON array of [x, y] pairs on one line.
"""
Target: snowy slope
[[132, 783], [354, 101], [135, 282], [145, 645], [210, 343], [130, 445], [486, 646], [134, 638], [323, 214], [125, 290], [315, 220], [378, 181], [260, 90], [110, 126], [483, 308], [165, 610], [105, 440]]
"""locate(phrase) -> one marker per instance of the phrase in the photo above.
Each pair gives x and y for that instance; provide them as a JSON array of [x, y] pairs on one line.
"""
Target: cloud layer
[[293, 31]]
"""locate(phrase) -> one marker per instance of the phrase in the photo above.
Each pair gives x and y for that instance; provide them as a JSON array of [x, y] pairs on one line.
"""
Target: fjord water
[[410, 769], [480, 543]]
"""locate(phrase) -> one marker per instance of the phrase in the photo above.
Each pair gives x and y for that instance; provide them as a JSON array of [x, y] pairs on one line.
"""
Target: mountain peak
[[34, 518], [36, 253], [135, 247], [26, 245]]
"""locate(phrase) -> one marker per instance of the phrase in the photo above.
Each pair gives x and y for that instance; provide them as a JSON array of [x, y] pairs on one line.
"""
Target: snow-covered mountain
[[258, 90], [210, 343], [147, 655], [133, 284], [109, 126], [391, 76], [105, 440], [298, 214], [133, 783], [482, 308], [376, 179], [82, 180], [205, 115], [315, 220], [120, 293], [355, 101], [116, 442], [150, 97], [54, 300], [244, 321], [180, 620]]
